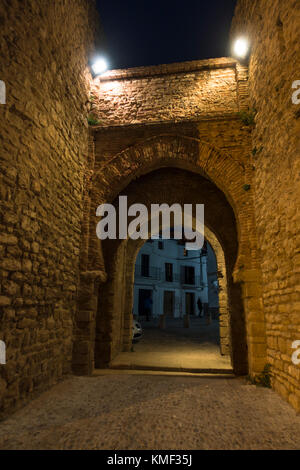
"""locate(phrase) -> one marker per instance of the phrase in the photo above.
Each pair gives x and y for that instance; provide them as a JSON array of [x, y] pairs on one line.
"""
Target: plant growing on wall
[[256, 150], [263, 379], [248, 117], [92, 120]]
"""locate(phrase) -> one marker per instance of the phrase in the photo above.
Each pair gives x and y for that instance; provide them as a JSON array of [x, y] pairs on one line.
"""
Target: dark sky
[[149, 32]]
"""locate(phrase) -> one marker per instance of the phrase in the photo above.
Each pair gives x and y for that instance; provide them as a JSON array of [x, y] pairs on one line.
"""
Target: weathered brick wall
[[44, 48], [229, 135], [184, 91], [143, 125], [273, 28]]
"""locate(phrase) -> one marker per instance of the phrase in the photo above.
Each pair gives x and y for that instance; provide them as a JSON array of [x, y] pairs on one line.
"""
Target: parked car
[[137, 331]]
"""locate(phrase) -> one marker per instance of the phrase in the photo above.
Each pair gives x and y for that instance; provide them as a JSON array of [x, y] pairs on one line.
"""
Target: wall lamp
[[241, 48], [99, 65]]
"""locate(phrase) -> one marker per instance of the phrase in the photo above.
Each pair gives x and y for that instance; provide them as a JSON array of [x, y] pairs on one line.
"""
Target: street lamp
[[241, 48], [99, 65]]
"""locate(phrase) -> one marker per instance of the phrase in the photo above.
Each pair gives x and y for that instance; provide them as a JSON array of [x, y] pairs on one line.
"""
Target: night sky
[[149, 32]]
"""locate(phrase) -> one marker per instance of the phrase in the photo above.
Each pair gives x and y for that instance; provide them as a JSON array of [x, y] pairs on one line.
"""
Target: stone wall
[[124, 154], [44, 49], [143, 126], [175, 92], [273, 29]]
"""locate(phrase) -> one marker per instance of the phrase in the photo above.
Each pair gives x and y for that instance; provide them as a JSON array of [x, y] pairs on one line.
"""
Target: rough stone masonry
[[44, 52], [273, 28], [65, 299]]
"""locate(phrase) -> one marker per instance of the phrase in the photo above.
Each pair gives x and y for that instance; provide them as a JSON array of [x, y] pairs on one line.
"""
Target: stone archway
[[127, 265], [230, 177], [114, 313]]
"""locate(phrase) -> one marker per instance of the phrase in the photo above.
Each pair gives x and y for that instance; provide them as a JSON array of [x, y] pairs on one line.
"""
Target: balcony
[[157, 274], [147, 272]]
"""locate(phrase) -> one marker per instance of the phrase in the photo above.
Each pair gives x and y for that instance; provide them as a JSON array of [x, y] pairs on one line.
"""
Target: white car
[[137, 331]]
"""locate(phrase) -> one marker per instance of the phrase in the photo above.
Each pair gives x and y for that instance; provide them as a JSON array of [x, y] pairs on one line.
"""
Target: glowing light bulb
[[99, 66], [241, 48]]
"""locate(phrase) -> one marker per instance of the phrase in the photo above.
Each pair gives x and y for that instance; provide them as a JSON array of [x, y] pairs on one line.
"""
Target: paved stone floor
[[149, 411], [177, 348]]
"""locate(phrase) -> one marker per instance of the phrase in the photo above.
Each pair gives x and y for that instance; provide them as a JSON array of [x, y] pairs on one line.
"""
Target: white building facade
[[173, 278]]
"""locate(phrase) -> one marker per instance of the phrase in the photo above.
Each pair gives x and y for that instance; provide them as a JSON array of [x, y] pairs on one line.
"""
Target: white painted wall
[[173, 253]]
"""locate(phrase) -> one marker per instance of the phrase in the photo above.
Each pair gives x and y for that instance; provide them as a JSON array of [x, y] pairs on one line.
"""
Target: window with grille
[[188, 275], [145, 266], [169, 272]]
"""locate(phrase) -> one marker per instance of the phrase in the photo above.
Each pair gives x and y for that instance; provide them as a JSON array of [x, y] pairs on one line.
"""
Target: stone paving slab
[[127, 411]]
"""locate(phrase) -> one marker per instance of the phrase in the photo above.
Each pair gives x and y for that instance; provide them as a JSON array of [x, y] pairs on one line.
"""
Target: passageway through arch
[[179, 321], [114, 315]]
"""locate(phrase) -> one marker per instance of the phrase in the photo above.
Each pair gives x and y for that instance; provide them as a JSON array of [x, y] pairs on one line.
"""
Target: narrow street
[[131, 411], [177, 348]]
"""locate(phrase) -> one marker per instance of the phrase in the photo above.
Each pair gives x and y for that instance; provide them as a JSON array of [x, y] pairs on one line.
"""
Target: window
[[160, 245], [204, 249], [145, 267], [169, 272], [188, 275]]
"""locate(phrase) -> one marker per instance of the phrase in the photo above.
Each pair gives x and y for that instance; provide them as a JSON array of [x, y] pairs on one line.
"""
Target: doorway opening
[[176, 303], [145, 303], [168, 309], [189, 303], [118, 297]]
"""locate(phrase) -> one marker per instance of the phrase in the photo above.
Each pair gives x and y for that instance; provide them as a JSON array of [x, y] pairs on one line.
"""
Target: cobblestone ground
[[131, 411], [176, 347]]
